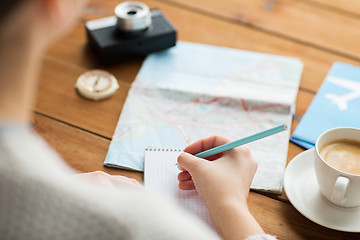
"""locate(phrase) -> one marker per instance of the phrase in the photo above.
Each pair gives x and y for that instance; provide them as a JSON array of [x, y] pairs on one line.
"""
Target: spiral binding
[[163, 149]]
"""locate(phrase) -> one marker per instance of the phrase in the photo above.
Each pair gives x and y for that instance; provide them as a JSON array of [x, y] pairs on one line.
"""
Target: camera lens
[[132, 12], [132, 16]]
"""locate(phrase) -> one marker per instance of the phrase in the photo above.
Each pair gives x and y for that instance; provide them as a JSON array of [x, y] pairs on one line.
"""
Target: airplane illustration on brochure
[[342, 101]]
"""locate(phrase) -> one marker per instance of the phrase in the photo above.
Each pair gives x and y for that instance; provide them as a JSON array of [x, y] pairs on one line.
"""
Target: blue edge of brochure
[[323, 113]]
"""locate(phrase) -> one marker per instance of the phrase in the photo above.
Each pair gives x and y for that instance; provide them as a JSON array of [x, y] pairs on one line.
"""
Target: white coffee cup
[[340, 188]]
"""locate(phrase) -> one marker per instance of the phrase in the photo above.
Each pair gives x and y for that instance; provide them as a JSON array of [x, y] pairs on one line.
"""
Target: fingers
[[242, 152], [185, 181], [205, 144], [111, 180], [122, 180], [187, 185], [98, 176], [190, 163], [184, 176], [192, 166]]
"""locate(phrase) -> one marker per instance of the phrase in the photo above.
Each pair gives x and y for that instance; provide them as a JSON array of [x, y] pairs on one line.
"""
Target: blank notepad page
[[160, 175]]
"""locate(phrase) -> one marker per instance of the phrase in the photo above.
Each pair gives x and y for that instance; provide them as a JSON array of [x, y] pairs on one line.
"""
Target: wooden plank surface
[[282, 220], [83, 151], [345, 6], [306, 23], [57, 98], [80, 130]]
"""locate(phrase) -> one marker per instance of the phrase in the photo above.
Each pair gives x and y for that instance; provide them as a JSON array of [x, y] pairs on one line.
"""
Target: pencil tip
[[285, 127]]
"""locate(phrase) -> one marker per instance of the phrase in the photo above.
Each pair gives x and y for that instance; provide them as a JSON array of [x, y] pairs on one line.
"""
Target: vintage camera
[[134, 31]]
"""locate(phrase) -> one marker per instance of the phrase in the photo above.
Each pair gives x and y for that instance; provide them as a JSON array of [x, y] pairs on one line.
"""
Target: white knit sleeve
[[40, 200]]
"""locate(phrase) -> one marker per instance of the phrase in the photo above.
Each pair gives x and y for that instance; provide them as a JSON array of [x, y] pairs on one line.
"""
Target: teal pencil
[[240, 142]]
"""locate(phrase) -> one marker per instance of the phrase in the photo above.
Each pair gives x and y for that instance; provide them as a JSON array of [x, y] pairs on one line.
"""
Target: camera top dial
[[133, 16]]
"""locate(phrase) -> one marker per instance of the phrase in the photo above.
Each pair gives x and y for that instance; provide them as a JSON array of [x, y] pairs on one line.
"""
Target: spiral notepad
[[160, 175]]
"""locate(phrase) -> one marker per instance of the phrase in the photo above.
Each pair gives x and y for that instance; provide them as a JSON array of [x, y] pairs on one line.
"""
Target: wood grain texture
[[291, 19], [344, 6], [282, 220], [83, 151], [57, 98]]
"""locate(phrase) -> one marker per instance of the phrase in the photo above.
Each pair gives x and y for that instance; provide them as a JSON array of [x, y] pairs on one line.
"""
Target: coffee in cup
[[337, 166], [342, 154]]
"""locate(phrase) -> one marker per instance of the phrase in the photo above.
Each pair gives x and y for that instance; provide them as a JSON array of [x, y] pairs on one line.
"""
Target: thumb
[[190, 163]]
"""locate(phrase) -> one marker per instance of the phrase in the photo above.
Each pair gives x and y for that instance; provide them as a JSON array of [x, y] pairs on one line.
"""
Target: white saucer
[[302, 189]]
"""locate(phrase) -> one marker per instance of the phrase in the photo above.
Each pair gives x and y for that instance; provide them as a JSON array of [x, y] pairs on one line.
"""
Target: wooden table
[[318, 32]]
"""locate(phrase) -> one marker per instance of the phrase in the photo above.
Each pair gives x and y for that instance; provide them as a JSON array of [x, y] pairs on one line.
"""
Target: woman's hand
[[223, 182], [224, 177], [110, 180]]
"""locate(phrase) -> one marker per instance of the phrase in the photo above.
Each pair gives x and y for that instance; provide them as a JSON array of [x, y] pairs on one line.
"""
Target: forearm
[[234, 221]]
